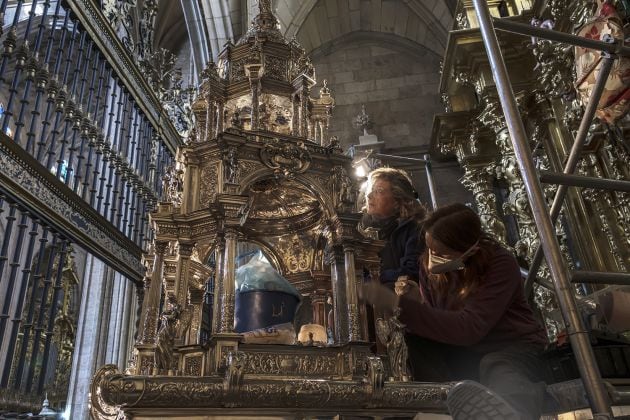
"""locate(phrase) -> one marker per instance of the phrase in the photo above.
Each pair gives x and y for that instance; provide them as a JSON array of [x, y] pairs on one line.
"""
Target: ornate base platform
[[267, 381]]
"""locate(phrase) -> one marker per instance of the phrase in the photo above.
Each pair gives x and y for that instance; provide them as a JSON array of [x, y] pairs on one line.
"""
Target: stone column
[[116, 296], [86, 355], [354, 332], [127, 324]]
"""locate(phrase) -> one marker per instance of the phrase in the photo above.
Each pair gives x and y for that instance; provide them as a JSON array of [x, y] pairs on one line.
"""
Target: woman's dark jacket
[[401, 253]]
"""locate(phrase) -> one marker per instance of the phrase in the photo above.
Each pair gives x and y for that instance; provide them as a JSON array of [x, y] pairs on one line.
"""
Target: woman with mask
[[469, 320], [393, 210]]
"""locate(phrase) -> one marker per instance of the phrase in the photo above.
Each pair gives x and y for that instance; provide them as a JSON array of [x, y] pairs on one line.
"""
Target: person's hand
[[378, 295], [404, 285]]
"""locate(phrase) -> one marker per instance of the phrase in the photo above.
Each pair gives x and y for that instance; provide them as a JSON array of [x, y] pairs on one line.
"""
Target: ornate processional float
[[258, 175]]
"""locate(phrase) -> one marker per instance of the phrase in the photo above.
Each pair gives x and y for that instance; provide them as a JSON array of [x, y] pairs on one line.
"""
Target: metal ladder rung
[[584, 181], [600, 277]]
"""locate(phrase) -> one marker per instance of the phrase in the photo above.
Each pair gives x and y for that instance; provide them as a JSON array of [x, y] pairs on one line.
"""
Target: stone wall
[[398, 84]]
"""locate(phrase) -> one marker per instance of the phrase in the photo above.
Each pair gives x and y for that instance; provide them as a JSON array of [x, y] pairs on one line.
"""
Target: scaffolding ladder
[[596, 389]]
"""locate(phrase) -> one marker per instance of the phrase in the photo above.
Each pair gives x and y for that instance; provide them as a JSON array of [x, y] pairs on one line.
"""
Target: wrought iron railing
[[83, 113], [83, 143]]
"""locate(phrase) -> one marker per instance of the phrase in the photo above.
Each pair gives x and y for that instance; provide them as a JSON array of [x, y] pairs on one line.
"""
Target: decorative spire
[[264, 25], [265, 20], [325, 98], [362, 121], [46, 410]]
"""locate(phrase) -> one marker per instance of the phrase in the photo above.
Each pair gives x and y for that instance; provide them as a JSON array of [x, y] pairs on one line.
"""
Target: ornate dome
[[279, 206]]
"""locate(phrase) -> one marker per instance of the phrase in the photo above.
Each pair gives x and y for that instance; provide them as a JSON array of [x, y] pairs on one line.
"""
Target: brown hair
[[402, 190], [458, 227]]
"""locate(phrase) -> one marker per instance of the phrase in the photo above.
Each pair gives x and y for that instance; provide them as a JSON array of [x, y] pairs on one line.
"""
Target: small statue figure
[[362, 121], [231, 166], [236, 120], [173, 185], [392, 333], [164, 359], [342, 187], [333, 145]]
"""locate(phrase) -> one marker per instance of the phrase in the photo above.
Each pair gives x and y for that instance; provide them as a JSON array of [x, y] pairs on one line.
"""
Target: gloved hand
[[378, 295]]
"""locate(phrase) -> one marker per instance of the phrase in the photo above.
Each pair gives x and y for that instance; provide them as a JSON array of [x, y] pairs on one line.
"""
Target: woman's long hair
[[459, 228], [402, 190]]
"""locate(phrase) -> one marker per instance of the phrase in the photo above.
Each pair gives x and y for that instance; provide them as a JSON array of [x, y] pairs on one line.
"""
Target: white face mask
[[441, 265]]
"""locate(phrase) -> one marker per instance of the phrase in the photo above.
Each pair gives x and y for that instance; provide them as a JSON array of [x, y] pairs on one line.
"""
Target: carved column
[[220, 118], [190, 195], [340, 304], [227, 292], [518, 202], [598, 199], [218, 286], [210, 117], [181, 286], [614, 162], [304, 99], [318, 303], [226, 340], [254, 83], [479, 180], [196, 302], [354, 331], [295, 120], [152, 300], [325, 125], [155, 141]]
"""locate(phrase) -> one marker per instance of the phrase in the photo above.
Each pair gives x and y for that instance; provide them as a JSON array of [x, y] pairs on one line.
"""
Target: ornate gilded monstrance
[[256, 172]]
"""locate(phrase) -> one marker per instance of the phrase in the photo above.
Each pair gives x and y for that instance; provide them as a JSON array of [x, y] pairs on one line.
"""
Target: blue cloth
[[401, 253]]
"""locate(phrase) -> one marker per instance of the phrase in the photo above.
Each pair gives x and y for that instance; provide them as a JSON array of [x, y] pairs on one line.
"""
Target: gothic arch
[[315, 23]]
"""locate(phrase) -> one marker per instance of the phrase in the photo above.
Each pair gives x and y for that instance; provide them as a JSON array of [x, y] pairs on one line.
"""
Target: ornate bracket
[[286, 160]]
